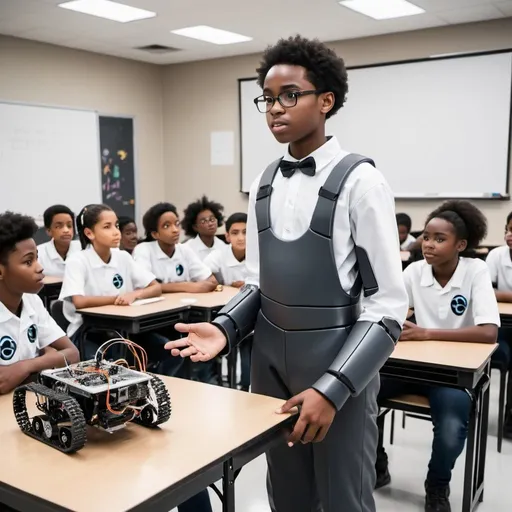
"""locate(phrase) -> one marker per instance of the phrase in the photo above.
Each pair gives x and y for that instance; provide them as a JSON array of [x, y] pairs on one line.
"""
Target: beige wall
[[202, 97], [176, 107], [45, 74]]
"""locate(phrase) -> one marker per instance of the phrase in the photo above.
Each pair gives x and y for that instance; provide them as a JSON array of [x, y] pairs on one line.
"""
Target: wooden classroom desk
[[464, 366], [211, 434], [174, 308], [505, 309], [51, 290]]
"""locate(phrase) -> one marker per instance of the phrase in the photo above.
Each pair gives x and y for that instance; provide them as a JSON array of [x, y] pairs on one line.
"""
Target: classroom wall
[[40, 73], [201, 97]]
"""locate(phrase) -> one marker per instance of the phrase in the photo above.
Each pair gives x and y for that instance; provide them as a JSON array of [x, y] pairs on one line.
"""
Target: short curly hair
[[50, 213], [324, 69], [468, 221], [152, 216], [194, 209], [14, 228]]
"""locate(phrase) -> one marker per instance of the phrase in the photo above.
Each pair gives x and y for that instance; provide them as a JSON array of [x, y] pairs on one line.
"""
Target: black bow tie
[[307, 166]]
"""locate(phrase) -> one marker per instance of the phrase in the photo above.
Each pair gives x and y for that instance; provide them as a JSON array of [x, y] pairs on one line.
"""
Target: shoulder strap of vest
[[263, 195], [323, 217]]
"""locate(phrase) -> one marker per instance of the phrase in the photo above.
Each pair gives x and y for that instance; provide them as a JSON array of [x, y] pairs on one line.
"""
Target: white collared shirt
[[183, 265], [88, 275], [52, 261], [24, 337], [365, 215], [467, 299], [407, 242], [224, 263], [500, 267], [198, 246]]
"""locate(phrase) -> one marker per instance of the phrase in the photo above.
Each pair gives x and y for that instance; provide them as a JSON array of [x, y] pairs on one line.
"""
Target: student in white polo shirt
[[228, 263], [102, 275], [404, 225], [499, 261], [26, 328], [453, 299], [201, 219], [175, 265], [59, 222]]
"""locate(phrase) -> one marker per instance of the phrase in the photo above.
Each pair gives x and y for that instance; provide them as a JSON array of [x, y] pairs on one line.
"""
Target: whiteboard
[[435, 128], [48, 156]]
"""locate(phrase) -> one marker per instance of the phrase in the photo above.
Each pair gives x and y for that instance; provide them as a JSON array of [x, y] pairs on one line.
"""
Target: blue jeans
[[450, 410]]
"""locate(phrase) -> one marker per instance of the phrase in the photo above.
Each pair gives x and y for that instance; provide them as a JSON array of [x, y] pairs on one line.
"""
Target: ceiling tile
[[470, 14]]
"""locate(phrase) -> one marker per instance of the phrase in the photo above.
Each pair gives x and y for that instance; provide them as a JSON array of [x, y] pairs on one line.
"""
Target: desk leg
[[228, 487], [482, 451], [232, 358]]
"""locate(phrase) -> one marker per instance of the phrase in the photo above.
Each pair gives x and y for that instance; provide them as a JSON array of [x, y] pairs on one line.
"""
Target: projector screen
[[48, 156], [436, 128]]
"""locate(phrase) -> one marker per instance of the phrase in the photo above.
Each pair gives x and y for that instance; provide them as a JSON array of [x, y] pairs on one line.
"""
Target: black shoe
[[383, 478], [436, 499]]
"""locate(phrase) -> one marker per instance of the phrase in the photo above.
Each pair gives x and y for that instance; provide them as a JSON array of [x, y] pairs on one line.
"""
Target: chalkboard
[[117, 164]]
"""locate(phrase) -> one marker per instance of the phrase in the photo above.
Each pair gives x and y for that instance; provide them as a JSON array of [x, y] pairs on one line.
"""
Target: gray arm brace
[[365, 351], [237, 318]]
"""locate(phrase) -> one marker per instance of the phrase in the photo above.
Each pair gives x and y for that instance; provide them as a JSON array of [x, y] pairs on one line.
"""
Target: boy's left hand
[[13, 375], [237, 284], [316, 417], [411, 332], [127, 299]]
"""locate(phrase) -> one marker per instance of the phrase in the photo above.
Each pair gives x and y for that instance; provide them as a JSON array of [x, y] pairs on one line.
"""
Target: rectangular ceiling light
[[211, 35], [383, 9], [109, 10]]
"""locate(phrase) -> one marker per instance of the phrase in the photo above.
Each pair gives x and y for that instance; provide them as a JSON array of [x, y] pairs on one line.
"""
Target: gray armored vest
[[299, 282]]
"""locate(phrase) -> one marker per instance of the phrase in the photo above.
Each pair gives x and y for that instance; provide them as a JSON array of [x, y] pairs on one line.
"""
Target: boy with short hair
[[404, 224], [228, 262], [27, 330], [321, 221], [59, 222]]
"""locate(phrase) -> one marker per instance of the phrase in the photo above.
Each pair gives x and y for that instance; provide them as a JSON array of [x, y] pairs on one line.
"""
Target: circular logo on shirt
[[459, 305], [179, 269], [117, 281], [7, 348], [32, 333]]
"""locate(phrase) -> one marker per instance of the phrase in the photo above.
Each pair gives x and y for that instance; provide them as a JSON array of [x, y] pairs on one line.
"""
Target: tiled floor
[[408, 461]]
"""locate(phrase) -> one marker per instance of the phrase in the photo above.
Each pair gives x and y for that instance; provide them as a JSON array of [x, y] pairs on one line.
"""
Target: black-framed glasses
[[287, 99], [208, 220]]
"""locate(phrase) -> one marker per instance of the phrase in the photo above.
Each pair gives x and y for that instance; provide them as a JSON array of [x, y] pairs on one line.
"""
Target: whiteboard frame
[[461, 55]]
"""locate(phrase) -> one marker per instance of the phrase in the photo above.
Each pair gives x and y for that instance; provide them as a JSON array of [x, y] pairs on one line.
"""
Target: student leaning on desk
[[453, 300], [30, 340]]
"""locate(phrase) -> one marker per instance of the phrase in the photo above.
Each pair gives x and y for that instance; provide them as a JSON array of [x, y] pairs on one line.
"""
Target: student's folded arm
[[503, 296], [153, 289], [486, 333], [92, 301], [63, 351]]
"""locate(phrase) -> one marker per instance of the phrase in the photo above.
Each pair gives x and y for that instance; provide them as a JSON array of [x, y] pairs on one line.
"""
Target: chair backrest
[[57, 313]]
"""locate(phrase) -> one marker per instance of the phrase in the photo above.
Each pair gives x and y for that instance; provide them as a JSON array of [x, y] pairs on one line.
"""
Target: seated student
[[228, 266], [102, 275], [453, 300], [228, 262], [175, 265], [201, 219], [59, 222], [499, 261], [30, 340], [129, 239], [404, 224]]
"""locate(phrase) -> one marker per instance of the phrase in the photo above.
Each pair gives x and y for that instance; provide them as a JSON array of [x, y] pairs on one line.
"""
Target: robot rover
[[97, 392]]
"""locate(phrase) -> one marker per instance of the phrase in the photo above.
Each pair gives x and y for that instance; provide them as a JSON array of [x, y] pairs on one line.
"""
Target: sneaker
[[436, 499], [383, 478]]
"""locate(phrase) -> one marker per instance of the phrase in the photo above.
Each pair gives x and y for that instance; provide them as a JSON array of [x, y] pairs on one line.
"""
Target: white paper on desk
[[141, 302], [222, 148]]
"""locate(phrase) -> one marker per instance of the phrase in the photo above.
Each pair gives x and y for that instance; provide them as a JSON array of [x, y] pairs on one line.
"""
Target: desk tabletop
[[505, 308], [467, 356], [171, 302], [123, 469], [52, 280], [405, 255]]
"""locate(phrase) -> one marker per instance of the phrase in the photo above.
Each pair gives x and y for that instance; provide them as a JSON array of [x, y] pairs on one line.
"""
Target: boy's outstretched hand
[[316, 417], [204, 342]]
